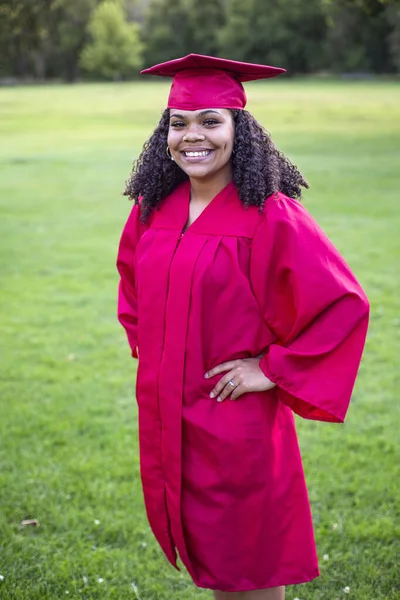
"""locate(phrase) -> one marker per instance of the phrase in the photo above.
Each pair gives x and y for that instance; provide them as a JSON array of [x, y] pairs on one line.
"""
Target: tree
[[206, 17], [43, 38], [27, 36], [51, 38], [359, 36], [287, 33], [115, 49], [166, 31], [72, 35], [393, 16]]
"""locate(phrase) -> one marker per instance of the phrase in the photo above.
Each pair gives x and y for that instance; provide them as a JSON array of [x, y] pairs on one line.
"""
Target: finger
[[226, 366], [238, 391], [227, 390], [222, 383]]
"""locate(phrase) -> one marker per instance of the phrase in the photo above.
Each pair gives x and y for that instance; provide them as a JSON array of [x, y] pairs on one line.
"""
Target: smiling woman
[[255, 164], [201, 142], [242, 311]]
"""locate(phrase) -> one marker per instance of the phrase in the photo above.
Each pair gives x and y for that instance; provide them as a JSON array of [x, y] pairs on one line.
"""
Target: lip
[[196, 149]]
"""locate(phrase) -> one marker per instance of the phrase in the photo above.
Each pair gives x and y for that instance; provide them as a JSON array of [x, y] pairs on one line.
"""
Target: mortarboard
[[208, 82]]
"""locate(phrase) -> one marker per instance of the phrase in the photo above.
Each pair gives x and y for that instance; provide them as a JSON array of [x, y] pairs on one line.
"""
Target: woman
[[242, 311]]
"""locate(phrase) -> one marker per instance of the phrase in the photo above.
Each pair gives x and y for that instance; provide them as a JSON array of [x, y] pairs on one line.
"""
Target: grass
[[68, 450]]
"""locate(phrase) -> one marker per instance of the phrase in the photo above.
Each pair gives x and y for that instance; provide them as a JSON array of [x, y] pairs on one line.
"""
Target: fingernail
[[219, 399], [206, 375], [212, 395]]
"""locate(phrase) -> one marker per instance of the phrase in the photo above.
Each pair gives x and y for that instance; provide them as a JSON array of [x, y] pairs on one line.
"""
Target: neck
[[205, 189]]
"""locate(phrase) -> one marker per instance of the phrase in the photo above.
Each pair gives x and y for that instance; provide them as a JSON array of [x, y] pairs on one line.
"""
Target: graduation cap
[[201, 81]]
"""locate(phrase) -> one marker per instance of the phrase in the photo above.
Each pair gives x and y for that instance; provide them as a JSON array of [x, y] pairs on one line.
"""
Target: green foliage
[[359, 36], [68, 429], [301, 35], [166, 31], [206, 17], [290, 33], [393, 13], [115, 49], [174, 28], [45, 38], [27, 35], [72, 34]]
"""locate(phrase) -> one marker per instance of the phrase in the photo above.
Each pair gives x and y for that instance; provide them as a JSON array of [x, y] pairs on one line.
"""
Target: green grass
[[68, 449]]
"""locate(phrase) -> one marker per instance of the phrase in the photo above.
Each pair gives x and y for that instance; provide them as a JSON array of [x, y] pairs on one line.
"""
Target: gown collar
[[224, 215]]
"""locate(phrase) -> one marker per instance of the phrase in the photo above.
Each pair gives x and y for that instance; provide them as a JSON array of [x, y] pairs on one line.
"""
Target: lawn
[[68, 449]]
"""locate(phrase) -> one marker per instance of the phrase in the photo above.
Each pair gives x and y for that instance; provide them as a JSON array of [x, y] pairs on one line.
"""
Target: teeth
[[204, 153]]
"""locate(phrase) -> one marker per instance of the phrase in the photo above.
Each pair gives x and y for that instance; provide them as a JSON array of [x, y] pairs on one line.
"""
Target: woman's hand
[[243, 376]]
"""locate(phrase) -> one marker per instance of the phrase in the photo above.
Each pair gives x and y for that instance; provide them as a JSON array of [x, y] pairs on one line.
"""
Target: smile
[[196, 154]]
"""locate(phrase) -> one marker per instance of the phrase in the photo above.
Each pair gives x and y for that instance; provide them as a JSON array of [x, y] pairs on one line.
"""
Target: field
[[68, 449]]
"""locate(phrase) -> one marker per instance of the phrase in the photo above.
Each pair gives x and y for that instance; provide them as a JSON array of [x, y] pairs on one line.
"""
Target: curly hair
[[259, 168]]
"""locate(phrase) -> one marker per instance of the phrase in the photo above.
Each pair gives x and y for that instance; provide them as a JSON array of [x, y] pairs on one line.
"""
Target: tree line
[[113, 39]]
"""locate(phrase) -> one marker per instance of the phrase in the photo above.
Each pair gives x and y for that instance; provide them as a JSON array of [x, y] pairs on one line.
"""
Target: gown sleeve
[[314, 305], [127, 296]]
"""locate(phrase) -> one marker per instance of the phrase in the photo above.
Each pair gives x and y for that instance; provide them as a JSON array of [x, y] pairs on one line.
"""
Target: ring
[[232, 383]]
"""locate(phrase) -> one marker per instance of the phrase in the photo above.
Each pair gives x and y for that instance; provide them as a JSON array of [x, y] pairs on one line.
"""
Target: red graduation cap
[[208, 82]]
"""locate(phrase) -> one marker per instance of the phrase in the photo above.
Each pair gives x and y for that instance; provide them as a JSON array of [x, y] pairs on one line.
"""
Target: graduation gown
[[223, 482]]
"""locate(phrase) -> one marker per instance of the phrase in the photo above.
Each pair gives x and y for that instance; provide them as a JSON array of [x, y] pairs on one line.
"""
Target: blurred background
[[74, 39], [74, 115]]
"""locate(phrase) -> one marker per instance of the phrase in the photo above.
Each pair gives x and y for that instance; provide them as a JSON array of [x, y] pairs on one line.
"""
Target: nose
[[193, 135]]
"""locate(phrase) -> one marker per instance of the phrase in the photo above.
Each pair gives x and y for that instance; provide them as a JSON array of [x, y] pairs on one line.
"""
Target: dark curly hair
[[259, 168]]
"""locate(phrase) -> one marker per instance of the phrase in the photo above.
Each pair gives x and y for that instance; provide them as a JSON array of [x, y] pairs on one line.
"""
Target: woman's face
[[201, 141]]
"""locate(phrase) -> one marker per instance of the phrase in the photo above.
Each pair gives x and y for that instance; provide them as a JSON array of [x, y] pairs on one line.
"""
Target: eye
[[211, 122], [177, 124]]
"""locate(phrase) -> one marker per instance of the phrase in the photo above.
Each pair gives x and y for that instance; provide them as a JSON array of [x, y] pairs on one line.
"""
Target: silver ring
[[232, 383]]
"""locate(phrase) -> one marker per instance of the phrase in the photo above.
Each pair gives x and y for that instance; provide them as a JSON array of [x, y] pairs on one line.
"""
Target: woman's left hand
[[243, 376]]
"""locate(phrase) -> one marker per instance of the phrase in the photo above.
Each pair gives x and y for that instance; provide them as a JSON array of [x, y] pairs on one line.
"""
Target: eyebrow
[[201, 114]]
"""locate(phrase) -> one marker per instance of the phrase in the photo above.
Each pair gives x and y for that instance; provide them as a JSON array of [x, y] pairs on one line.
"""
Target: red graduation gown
[[223, 482]]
